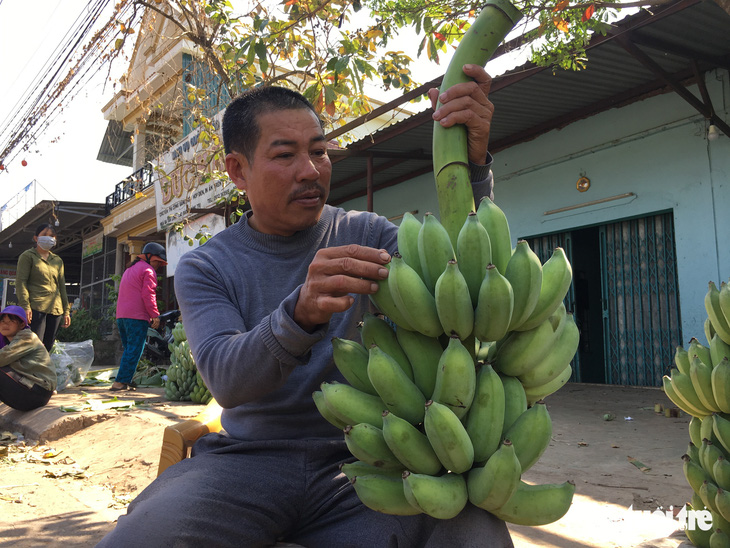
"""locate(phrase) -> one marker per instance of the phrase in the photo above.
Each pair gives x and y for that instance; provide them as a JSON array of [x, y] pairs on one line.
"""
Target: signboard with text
[[180, 179], [92, 245]]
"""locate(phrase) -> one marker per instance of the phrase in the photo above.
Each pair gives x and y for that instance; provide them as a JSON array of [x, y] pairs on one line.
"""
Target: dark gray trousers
[[252, 494]]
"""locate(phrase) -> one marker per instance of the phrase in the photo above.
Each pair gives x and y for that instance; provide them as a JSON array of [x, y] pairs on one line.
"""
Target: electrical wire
[[50, 92]]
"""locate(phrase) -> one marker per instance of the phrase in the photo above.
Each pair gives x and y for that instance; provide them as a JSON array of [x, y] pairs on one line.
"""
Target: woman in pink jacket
[[137, 310]]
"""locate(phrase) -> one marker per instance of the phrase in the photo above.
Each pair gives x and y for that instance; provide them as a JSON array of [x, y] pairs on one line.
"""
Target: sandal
[[125, 387]]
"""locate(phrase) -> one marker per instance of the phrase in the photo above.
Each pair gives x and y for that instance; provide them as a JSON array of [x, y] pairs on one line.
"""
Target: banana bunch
[[699, 382], [437, 411], [433, 429], [184, 383]]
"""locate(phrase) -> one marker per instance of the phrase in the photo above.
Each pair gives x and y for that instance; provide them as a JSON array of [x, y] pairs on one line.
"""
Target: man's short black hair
[[241, 130]]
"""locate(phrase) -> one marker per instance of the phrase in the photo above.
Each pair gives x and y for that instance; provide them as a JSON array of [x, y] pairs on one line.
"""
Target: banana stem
[[450, 157]]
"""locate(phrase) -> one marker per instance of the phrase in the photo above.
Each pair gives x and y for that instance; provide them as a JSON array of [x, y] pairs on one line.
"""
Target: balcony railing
[[129, 187]]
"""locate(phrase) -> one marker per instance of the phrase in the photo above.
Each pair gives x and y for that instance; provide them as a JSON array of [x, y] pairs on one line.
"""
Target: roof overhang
[[665, 51]]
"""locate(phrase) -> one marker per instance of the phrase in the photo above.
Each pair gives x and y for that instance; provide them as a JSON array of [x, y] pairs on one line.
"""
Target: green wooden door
[[641, 314]]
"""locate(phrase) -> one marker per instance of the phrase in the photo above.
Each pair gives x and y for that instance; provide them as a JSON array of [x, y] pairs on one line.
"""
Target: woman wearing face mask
[[41, 287]]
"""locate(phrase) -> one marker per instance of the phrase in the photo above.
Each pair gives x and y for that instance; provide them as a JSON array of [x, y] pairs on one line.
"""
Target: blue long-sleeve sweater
[[237, 295]]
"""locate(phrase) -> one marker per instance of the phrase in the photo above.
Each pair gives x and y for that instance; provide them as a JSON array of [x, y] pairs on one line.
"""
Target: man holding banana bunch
[[262, 302]]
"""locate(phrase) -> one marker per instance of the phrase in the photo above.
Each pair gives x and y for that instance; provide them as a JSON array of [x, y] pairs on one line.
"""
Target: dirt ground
[[70, 490]]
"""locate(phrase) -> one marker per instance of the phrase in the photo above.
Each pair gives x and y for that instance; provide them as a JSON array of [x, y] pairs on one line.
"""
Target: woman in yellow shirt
[[40, 284]]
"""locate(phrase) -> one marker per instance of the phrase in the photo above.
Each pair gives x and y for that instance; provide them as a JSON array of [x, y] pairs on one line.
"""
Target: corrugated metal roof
[[530, 101]]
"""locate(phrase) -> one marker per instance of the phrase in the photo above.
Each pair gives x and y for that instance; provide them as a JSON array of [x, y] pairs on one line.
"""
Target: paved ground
[[71, 490]]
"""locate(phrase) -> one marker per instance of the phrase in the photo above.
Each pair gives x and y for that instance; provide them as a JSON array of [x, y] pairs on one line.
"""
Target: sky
[[66, 169], [63, 161]]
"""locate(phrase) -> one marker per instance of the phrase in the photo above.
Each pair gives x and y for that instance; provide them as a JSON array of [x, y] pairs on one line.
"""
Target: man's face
[[288, 181]]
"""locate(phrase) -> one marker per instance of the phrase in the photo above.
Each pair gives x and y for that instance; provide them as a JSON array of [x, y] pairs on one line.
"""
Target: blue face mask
[[46, 242]]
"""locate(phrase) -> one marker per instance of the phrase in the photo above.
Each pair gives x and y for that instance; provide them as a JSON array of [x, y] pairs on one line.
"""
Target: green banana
[[524, 272], [709, 329], [693, 452], [424, 354], [557, 274], [676, 400], [694, 473], [681, 360], [486, 415], [409, 445], [408, 241], [376, 331], [455, 378], [721, 472], [491, 486], [384, 494], [473, 253], [495, 221], [721, 384], [360, 468], [724, 300], [325, 410], [697, 502], [495, 303], [537, 393], [399, 394], [515, 401], [708, 493], [707, 430], [696, 348], [366, 443], [441, 497], [383, 301], [434, 249], [683, 387], [537, 504], [530, 435], [719, 539], [351, 405], [715, 314], [722, 503], [719, 349], [453, 302], [351, 359], [695, 429], [709, 452], [413, 298], [558, 356], [701, 377], [523, 350], [721, 431], [448, 437]]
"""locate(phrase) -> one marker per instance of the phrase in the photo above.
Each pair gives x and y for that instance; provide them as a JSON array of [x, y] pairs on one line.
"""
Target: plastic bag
[[72, 361]]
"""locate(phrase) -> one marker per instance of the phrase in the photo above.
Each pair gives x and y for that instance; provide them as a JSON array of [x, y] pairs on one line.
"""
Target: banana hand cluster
[[184, 383], [444, 402], [699, 384]]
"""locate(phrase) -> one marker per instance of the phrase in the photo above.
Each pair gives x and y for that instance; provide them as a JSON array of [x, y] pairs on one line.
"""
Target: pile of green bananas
[[699, 385], [446, 408], [184, 382]]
